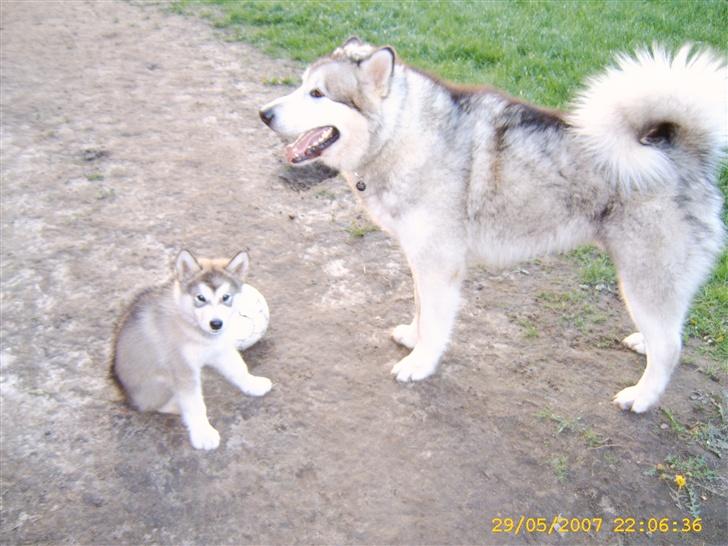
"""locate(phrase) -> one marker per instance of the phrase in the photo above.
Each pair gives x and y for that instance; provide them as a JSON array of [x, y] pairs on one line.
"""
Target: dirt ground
[[129, 132]]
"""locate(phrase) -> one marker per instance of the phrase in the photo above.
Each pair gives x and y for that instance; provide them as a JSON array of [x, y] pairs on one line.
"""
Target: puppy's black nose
[[267, 116], [215, 324]]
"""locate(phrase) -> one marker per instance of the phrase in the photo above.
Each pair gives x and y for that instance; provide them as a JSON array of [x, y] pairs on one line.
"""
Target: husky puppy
[[470, 174], [170, 332]]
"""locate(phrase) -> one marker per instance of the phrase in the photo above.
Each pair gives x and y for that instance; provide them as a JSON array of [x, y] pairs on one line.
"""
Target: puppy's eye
[[226, 298], [316, 93], [199, 298]]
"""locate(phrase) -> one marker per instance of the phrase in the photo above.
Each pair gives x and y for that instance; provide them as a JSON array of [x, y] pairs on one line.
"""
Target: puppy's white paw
[[413, 368], [636, 398], [405, 334], [204, 436], [256, 385], [636, 342]]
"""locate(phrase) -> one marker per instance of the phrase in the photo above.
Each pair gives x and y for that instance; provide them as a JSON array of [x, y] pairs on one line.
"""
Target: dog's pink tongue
[[299, 150]]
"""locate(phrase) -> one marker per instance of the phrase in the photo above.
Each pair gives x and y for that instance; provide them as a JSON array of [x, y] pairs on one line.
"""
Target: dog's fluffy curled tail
[[642, 118]]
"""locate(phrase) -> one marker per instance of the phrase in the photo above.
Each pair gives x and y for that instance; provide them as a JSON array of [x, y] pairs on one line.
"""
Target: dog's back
[[145, 347]]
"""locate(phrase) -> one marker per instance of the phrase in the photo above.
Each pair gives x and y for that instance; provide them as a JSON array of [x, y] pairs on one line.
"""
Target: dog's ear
[[352, 40], [238, 266], [186, 265], [379, 68]]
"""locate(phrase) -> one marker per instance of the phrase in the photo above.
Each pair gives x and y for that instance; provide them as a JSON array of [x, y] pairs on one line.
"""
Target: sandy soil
[[129, 132]]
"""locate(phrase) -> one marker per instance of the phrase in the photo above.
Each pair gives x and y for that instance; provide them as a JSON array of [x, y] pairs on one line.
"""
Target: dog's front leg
[[232, 366], [194, 412], [437, 280], [408, 334]]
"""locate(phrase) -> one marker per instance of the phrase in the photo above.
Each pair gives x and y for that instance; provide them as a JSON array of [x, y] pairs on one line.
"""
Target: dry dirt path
[[128, 132]]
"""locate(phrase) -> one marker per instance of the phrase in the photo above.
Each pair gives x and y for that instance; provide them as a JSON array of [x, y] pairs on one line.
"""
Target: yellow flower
[[680, 481]]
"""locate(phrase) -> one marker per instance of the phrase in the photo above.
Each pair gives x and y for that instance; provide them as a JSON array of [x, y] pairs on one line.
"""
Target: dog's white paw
[[636, 398], [204, 436], [413, 368], [636, 342], [256, 385], [405, 334]]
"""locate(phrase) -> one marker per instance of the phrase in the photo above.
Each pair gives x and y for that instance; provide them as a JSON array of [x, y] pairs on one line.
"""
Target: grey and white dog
[[170, 332], [470, 174]]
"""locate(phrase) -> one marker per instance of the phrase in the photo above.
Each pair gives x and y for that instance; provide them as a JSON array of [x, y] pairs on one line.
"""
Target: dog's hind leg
[[659, 327], [438, 289], [171, 406], [661, 261]]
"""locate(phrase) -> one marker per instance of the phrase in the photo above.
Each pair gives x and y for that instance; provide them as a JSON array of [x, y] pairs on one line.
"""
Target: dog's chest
[[383, 203]]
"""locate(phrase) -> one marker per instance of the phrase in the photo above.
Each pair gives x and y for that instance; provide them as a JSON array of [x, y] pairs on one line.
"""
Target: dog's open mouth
[[311, 144]]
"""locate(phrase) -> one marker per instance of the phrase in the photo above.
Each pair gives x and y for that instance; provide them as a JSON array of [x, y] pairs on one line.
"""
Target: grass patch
[[538, 51], [591, 438], [708, 320], [595, 268], [560, 466], [530, 330], [359, 229], [574, 308], [563, 423], [691, 480], [710, 430], [286, 81]]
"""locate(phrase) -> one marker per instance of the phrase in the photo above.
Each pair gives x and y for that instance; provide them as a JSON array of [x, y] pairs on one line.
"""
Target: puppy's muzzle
[[215, 324]]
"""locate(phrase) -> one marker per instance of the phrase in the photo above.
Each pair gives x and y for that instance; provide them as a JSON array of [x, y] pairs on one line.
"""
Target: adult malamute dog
[[169, 333], [459, 174]]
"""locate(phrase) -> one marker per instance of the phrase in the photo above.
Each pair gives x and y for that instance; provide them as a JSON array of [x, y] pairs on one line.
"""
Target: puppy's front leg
[[194, 414], [438, 287], [232, 366]]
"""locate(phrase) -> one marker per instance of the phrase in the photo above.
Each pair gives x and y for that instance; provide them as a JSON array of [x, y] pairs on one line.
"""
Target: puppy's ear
[[238, 266], [379, 68], [186, 265], [352, 40]]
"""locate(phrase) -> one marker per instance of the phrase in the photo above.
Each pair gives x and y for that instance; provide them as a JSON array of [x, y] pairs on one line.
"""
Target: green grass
[[286, 82], [575, 309], [540, 51], [537, 50], [560, 466], [709, 430], [530, 330], [591, 438], [700, 481], [595, 268], [358, 229]]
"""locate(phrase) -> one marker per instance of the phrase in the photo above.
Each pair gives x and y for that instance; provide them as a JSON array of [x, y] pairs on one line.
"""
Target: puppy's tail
[[653, 117]]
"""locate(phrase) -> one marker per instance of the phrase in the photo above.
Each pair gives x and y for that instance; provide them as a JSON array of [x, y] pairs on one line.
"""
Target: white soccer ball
[[251, 320]]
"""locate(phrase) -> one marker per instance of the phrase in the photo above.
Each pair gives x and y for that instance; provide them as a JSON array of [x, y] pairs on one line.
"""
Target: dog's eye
[[200, 298], [316, 93], [226, 298]]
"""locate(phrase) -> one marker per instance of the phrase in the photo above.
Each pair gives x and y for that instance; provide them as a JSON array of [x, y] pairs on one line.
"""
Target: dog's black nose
[[267, 116], [215, 324]]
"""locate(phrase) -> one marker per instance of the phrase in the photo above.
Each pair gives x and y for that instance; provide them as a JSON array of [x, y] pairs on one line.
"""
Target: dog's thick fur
[[170, 332], [457, 175]]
